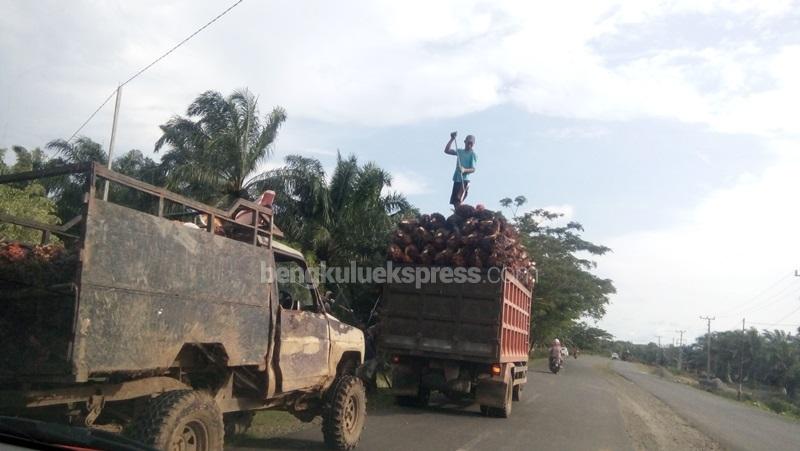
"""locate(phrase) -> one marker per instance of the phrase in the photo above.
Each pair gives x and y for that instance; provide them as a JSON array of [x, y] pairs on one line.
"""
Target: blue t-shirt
[[468, 160]]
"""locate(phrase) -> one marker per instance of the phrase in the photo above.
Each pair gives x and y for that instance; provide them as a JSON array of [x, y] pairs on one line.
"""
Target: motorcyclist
[[555, 350]]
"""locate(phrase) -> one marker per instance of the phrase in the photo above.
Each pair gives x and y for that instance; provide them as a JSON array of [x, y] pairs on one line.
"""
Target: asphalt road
[[734, 425], [588, 406]]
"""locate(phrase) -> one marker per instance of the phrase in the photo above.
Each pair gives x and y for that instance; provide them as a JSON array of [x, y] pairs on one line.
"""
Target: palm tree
[[68, 190], [215, 151], [348, 218]]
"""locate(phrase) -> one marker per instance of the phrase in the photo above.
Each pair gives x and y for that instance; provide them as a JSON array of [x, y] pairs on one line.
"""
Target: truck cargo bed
[[486, 322]]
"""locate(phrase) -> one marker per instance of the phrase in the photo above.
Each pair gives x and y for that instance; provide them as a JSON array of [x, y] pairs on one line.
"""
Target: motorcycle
[[555, 365]]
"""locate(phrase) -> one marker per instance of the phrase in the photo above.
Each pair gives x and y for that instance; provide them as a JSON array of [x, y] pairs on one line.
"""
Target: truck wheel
[[180, 420], [505, 411], [345, 413]]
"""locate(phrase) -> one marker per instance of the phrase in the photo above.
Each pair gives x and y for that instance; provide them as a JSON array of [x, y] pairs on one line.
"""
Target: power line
[[140, 72], [775, 324], [790, 314], [781, 295], [761, 293]]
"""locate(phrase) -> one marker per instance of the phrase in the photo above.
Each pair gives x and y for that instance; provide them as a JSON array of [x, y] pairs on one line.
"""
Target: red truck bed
[[486, 322]]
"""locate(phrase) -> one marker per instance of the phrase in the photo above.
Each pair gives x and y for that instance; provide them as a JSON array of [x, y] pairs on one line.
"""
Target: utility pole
[[708, 344], [680, 350], [113, 137], [741, 364], [660, 351]]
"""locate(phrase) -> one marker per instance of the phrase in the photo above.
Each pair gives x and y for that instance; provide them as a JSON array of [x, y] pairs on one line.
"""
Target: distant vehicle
[[614, 356]]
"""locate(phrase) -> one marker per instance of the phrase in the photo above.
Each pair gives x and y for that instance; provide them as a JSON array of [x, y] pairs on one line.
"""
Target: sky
[[668, 129]]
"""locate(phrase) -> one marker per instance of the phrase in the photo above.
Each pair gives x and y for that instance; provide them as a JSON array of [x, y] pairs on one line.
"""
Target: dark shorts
[[459, 193]]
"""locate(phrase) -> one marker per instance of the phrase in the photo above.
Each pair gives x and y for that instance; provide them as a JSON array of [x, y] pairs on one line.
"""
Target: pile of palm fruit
[[470, 237], [36, 265]]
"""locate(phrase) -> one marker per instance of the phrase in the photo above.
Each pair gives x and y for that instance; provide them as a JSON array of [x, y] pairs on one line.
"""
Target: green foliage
[[214, 152], [29, 202], [566, 290], [346, 219], [585, 337], [67, 191], [768, 358], [135, 164]]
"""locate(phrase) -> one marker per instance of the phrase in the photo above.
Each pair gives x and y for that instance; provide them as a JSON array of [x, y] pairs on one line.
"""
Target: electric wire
[[754, 298], [141, 71]]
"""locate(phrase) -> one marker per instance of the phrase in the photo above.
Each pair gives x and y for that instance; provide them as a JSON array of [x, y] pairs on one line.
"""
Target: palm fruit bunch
[[36, 265], [470, 237]]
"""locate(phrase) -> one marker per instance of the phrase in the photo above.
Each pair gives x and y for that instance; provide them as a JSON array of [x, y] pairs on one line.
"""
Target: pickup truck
[[172, 326], [462, 339]]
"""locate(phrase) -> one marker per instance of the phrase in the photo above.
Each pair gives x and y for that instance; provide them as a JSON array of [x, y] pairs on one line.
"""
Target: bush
[[782, 406]]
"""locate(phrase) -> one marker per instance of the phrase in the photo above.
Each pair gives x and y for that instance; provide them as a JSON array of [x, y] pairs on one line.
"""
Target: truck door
[[304, 344]]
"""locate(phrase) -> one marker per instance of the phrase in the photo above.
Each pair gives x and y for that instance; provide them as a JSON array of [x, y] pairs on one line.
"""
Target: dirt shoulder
[[651, 424]]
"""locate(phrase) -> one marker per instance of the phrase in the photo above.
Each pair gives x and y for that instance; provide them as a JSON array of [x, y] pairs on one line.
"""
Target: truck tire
[[421, 400], [516, 392], [182, 419], [345, 413], [505, 411]]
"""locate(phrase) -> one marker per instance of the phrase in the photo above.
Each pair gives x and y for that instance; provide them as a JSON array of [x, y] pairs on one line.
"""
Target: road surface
[[734, 425], [588, 406]]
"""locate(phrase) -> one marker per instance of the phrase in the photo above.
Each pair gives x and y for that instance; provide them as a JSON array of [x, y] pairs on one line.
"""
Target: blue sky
[[668, 129]]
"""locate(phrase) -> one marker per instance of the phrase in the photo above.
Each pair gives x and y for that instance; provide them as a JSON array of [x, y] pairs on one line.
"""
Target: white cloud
[[574, 133], [409, 183], [380, 63], [733, 244]]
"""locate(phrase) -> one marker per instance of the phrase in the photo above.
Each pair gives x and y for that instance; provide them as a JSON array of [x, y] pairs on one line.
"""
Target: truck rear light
[[496, 369], [395, 359]]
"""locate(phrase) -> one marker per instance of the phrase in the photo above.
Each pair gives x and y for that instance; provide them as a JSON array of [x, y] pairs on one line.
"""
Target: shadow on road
[[439, 405], [279, 443]]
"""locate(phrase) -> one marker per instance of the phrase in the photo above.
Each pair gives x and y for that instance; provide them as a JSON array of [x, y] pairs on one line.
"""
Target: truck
[[172, 324], [466, 340]]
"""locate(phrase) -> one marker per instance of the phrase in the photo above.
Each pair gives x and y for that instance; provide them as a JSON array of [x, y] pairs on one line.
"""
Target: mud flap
[[491, 392], [405, 380]]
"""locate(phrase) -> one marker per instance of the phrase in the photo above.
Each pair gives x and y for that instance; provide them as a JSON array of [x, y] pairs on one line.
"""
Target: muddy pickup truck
[[466, 340], [171, 323]]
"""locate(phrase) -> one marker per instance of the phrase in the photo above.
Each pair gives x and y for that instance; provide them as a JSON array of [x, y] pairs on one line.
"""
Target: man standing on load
[[465, 165]]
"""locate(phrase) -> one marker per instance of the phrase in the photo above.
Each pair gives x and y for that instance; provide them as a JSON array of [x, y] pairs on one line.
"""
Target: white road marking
[[472, 443]]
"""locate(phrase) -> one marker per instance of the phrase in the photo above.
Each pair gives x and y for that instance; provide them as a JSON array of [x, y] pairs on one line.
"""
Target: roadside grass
[[269, 424]]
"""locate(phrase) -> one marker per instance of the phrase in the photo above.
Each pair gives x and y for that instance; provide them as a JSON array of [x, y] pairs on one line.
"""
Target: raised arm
[[447, 148]]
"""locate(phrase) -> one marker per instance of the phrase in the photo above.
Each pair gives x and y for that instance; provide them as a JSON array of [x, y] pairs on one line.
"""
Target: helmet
[[556, 342]]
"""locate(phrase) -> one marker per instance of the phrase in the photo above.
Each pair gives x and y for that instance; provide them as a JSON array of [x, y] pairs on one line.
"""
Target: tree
[[585, 337], [28, 201], [135, 164], [68, 190], [346, 219], [566, 290], [513, 205], [215, 151]]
